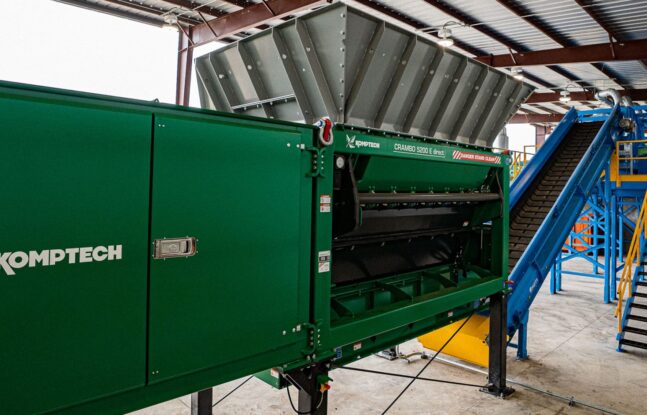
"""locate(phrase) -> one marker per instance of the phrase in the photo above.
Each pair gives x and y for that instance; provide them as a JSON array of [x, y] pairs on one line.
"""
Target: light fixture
[[565, 96], [170, 22], [517, 73], [445, 36]]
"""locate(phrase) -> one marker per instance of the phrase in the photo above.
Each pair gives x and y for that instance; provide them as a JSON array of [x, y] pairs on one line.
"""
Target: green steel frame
[[107, 337]]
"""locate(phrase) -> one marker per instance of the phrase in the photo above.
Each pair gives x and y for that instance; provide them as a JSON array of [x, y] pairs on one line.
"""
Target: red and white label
[[481, 158], [324, 203], [324, 262]]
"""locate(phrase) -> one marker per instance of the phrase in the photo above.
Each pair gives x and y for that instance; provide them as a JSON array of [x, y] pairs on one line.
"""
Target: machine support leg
[[558, 280], [498, 342], [201, 402], [312, 383], [553, 278], [522, 339]]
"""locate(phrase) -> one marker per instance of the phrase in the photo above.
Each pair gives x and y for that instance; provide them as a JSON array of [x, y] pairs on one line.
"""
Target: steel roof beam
[[543, 97], [535, 118], [154, 21], [149, 10], [239, 3], [601, 52], [493, 34], [416, 24], [586, 5], [544, 28], [191, 5], [249, 17]]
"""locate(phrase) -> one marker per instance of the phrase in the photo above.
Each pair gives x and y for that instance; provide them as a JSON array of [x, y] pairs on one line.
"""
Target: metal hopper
[[359, 70]]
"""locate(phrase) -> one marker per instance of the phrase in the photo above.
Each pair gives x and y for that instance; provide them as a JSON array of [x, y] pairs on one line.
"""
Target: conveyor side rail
[[534, 263]]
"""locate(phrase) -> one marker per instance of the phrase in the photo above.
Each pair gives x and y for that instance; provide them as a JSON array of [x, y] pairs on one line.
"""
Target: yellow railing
[[632, 259], [617, 158], [519, 160]]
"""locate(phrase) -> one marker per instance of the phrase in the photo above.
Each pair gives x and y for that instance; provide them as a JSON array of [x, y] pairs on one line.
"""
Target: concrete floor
[[572, 353]]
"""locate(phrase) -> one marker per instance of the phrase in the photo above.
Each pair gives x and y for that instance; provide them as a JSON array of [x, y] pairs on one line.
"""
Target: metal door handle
[[174, 247]]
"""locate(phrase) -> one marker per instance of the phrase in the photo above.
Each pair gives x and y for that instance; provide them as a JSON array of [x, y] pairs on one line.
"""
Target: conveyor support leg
[[522, 339]]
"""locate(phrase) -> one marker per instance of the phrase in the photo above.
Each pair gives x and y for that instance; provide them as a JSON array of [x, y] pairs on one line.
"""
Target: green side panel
[[240, 187], [386, 174], [73, 176]]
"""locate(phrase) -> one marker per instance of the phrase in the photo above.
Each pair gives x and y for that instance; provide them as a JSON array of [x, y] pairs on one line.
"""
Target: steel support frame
[[309, 380], [607, 215], [602, 52], [535, 118], [184, 67], [545, 97], [202, 402], [498, 341], [251, 16]]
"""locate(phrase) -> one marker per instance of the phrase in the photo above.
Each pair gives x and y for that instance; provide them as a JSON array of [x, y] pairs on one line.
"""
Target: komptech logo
[[353, 142], [11, 261]]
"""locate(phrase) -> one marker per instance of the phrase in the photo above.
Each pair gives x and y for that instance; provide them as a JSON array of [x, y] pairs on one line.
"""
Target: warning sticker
[[324, 203], [470, 156], [324, 261]]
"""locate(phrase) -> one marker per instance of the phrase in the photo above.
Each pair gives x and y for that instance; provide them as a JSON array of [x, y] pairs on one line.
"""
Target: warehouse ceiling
[[578, 46]]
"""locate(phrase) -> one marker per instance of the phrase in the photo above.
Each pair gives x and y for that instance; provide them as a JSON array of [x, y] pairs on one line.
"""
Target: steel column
[[614, 251], [498, 341], [201, 402], [184, 68], [607, 234]]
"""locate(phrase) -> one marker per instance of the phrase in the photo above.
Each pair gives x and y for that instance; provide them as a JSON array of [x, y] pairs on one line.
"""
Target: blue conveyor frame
[[536, 262]]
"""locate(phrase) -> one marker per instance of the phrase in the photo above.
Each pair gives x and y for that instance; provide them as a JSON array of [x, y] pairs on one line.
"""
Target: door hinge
[[318, 161]]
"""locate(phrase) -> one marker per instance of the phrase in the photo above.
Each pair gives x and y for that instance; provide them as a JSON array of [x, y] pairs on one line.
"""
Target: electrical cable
[[400, 375], [570, 399], [429, 362], [232, 391], [287, 388]]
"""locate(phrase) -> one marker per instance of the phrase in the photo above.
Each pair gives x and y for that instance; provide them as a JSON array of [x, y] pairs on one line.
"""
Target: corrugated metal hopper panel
[[359, 70]]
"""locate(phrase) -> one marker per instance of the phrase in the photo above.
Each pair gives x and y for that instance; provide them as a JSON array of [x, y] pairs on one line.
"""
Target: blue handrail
[[535, 263]]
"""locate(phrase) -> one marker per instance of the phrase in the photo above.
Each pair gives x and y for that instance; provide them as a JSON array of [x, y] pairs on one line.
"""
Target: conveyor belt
[[531, 210]]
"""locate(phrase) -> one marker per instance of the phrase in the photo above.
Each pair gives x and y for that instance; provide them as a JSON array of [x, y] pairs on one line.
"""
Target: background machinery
[[546, 200]]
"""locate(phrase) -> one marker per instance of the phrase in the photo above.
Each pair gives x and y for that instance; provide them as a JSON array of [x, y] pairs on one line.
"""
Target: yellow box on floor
[[470, 344]]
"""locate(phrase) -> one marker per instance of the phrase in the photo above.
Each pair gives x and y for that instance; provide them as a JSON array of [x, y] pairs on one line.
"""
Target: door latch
[[174, 247]]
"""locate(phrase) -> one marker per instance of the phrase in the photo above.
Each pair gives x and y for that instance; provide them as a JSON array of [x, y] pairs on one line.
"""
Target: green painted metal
[[111, 336], [244, 193], [72, 332]]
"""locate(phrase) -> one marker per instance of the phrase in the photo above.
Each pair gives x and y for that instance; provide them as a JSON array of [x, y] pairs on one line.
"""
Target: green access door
[[73, 249], [231, 226]]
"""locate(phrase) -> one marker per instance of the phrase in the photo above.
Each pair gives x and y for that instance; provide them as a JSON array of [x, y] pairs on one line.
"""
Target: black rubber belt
[[532, 209]]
